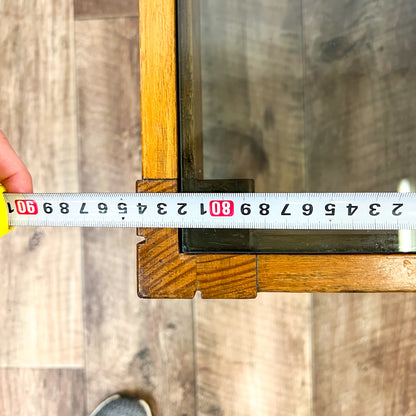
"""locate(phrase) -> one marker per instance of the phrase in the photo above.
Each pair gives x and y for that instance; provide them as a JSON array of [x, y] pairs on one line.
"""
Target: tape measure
[[291, 211]]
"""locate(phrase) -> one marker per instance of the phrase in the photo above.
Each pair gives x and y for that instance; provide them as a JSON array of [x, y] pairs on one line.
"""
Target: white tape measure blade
[[291, 211]]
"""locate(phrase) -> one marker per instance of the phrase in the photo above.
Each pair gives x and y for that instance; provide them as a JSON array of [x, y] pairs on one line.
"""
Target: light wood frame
[[164, 272]]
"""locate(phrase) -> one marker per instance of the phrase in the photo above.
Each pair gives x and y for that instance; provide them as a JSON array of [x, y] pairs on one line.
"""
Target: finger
[[14, 175]]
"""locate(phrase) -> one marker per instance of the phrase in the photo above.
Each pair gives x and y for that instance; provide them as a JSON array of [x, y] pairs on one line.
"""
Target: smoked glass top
[[300, 96]]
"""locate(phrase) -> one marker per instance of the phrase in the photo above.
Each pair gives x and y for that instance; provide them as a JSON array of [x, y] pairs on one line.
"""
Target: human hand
[[14, 175]]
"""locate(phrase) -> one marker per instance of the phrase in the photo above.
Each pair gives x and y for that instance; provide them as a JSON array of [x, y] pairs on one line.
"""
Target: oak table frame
[[163, 271]]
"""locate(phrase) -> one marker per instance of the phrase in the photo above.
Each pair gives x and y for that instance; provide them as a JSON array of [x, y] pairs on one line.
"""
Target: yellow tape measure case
[[4, 220]]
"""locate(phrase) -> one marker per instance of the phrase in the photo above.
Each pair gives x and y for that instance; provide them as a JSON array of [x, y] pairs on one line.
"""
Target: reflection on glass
[[407, 238]]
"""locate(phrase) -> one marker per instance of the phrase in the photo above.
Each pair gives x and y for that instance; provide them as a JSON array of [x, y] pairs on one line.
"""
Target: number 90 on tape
[[325, 211]]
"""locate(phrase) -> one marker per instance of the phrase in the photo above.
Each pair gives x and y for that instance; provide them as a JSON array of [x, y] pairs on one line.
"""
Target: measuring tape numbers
[[291, 211]]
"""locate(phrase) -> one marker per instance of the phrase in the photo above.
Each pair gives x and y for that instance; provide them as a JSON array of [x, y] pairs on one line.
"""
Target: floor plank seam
[[95, 18]]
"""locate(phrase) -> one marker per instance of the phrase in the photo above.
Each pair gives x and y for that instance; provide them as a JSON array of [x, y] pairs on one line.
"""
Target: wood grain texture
[[101, 9], [364, 354], [40, 288], [131, 345], [158, 89], [253, 356], [336, 273], [252, 92], [108, 101], [360, 101], [226, 276], [35, 392], [162, 271]]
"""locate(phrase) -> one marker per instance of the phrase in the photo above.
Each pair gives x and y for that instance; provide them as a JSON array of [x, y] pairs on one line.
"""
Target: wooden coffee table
[[165, 272]]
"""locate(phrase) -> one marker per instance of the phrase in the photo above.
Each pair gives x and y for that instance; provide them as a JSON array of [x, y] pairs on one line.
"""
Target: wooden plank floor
[[131, 344], [364, 354], [42, 343], [360, 84], [360, 101], [40, 285], [40, 296], [74, 331], [250, 116], [42, 391], [253, 356], [99, 9]]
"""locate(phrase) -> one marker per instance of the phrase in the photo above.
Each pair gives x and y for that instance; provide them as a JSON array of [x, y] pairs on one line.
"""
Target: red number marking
[[221, 208], [26, 206]]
